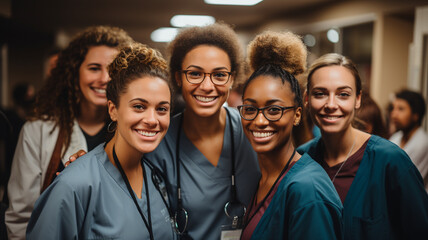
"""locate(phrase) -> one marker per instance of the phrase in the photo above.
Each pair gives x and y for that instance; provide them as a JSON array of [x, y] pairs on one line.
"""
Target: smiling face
[[93, 75], [142, 115], [264, 135], [205, 99], [332, 98]]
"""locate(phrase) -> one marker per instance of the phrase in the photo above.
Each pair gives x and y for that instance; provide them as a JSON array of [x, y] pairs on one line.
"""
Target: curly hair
[[132, 62], [219, 35], [58, 100], [335, 59], [277, 54]]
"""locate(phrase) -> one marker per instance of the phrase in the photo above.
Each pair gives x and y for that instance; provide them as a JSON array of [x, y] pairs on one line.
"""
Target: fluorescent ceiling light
[[233, 2], [191, 20], [164, 34]]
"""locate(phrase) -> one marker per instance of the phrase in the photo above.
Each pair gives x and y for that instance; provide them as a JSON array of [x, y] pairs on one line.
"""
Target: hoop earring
[[111, 128]]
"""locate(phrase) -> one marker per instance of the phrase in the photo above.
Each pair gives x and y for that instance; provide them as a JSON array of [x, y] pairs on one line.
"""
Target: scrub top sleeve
[[58, 214], [409, 202], [25, 181], [316, 220]]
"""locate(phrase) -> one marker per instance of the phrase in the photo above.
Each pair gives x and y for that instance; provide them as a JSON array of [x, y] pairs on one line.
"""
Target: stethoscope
[[181, 211]]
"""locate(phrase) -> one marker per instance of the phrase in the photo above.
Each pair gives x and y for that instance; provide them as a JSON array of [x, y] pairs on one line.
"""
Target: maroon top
[[254, 220], [346, 175]]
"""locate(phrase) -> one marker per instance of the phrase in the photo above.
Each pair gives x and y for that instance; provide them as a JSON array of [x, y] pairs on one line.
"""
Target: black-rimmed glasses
[[217, 77], [272, 113]]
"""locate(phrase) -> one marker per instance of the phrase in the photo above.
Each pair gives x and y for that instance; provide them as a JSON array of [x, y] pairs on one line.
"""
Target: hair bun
[[284, 49]]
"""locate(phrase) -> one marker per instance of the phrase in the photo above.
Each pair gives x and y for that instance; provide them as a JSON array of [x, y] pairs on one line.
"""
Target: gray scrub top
[[206, 188], [89, 200]]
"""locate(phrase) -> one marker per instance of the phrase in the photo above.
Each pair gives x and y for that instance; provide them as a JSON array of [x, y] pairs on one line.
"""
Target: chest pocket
[[370, 228]]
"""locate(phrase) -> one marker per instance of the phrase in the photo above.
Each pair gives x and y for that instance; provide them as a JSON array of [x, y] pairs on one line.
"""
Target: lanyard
[[177, 160], [270, 191], [128, 185]]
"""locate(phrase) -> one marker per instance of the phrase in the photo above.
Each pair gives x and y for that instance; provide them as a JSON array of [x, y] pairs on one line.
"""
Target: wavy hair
[[58, 100]]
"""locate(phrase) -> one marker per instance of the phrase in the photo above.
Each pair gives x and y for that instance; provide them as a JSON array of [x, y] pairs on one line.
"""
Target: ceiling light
[[164, 34], [309, 40], [191, 20], [233, 2], [333, 35]]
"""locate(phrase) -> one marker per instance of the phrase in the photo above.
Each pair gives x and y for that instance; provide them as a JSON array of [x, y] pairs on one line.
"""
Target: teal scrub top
[[206, 188], [305, 206], [387, 199], [90, 200]]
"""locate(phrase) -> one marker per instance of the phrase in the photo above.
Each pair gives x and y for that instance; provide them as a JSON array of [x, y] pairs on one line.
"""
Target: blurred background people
[[408, 111], [368, 117], [70, 114]]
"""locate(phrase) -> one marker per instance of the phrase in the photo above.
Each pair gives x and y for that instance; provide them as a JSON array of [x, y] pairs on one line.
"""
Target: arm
[[408, 200], [58, 213], [25, 181]]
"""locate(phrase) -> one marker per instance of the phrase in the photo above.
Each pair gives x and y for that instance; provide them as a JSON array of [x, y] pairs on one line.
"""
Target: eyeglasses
[[197, 77], [272, 113]]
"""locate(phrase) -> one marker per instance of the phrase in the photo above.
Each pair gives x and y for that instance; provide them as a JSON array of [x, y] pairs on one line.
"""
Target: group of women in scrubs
[[217, 188]]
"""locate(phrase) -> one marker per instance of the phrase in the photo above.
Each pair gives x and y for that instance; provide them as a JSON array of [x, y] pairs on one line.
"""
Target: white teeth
[[100, 90], [205, 99], [262, 134], [332, 118], [147, 134]]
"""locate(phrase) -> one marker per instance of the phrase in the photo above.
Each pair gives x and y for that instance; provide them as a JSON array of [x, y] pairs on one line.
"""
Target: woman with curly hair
[[110, 192], [70, 114], [295, 199], [381, 190], [206, 158]]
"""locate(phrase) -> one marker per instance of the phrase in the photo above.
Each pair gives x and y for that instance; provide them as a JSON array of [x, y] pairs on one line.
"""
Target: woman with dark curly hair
[[206, 158], [70, 114], [110, 192], [295, 199]]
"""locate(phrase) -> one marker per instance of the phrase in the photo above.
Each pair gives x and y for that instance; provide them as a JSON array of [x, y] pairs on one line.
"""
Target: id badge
[[231, 232]]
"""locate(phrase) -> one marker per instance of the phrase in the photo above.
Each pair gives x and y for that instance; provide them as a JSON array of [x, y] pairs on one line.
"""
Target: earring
[[111, 127]]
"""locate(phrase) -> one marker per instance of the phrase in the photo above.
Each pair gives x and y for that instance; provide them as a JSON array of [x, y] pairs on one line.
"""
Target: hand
[[73, 157]]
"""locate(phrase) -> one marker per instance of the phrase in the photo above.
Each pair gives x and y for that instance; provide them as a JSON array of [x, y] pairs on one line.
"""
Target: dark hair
[[416, 102], [335, 59], [132, 62], [280, 55], [370, 113], [59, 98], [219, 35]]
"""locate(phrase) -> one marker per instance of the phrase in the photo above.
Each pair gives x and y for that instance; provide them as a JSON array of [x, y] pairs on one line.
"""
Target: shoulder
[[309, 182], [381, 149], [85, 171], [38, 125], [309, 147]]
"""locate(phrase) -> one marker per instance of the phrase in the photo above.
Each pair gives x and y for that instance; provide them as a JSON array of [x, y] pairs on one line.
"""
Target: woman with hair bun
[[295, 199], [111, 193]]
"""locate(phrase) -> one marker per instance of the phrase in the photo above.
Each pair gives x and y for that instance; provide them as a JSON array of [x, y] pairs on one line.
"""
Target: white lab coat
[[30, 162]]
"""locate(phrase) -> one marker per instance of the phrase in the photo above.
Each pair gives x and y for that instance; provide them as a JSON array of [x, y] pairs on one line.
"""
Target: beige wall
[[392, 37]]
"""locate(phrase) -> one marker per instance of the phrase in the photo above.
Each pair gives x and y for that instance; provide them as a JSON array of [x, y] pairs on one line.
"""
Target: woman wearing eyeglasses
[[207, 160], [381, 190], [295, 199]]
